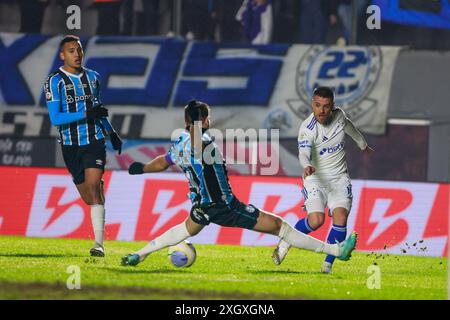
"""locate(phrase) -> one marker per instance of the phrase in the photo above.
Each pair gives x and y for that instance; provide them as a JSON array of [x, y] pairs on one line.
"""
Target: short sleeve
[[51, 89]]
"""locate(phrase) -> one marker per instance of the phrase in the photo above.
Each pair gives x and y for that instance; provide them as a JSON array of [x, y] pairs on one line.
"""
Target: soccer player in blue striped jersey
[[196, 153], [73, 100]]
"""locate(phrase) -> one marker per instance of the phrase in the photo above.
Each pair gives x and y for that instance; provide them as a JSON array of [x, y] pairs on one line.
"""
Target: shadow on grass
[[38, 255], [272, 272], [134, 270]]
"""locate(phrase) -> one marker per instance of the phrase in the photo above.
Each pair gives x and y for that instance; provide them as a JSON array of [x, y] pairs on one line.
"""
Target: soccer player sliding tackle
[[195, 152], [321, 143]]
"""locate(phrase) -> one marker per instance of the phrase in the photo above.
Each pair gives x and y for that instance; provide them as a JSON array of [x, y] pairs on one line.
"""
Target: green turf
[[32, 268]]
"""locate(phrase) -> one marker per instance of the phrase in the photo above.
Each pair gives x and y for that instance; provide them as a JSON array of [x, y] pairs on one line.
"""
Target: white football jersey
[[323, 146]]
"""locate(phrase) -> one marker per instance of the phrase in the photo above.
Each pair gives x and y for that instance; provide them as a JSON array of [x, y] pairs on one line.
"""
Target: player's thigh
[[192, 227], [341, 197], [94, 157], [314, 197], [72, 156], [235, 214], [268, 223]]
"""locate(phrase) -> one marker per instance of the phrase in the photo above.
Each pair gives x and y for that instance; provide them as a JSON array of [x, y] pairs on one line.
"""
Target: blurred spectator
[[223, 13], [108, 16], [344, 11], [315, 17], [257, 21], [31, 15], [198, 19], [285, 26]]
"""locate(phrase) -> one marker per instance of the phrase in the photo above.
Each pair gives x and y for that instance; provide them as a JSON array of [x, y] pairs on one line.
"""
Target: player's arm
[[113, 135], [160, 163], [304, 153], [53, 99], [357, 136]]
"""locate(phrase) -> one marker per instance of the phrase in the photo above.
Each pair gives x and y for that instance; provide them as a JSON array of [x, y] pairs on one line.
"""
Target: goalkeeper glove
[[97, 112], [136, 168], [116, 141]]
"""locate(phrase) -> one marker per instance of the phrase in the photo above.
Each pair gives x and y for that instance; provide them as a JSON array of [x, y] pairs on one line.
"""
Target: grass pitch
[[34, 268]]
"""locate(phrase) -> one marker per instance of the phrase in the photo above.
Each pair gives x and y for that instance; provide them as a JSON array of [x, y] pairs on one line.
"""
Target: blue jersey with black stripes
[[68, 97], [207, 175]]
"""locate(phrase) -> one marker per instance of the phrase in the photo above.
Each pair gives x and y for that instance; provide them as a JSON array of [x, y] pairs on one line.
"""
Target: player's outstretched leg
[[171, 237], [272, 224], [283, 247]]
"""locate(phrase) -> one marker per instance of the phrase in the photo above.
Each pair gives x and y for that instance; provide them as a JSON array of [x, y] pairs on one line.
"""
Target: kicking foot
[[280, 252], [97, 252], [130, 260], [346, 247]]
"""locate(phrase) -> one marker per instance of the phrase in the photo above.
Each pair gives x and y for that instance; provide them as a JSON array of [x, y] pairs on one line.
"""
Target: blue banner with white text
[[145, 82]]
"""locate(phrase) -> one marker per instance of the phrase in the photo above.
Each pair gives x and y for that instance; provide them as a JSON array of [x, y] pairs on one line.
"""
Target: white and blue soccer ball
[[183, 254]]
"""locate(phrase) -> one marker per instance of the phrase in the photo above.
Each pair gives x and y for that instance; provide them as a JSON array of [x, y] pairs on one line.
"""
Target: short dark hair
[[324, 92], [68, 38], [195, 111]]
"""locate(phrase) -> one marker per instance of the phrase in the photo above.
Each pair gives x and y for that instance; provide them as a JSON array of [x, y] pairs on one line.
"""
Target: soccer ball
[[182, 254]]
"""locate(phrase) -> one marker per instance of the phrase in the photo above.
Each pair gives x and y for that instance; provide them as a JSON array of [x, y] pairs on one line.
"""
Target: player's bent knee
[[316, 220]]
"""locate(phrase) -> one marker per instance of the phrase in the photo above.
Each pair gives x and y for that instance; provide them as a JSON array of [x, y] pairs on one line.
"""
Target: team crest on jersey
[[68, 86], [351, 72]]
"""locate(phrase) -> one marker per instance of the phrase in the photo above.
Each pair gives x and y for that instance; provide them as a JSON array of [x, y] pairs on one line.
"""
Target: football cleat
[[130, 260], [97, 252], [326, 267], [280, 252], [346, 247]]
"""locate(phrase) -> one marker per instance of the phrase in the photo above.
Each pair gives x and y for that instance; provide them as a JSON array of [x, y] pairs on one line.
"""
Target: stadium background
[[401, 193]]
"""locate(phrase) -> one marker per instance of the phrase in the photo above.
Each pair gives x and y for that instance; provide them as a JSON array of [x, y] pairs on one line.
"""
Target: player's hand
[[116, 141], [136, 168], [97, 112], [308, 171], [368, 150]]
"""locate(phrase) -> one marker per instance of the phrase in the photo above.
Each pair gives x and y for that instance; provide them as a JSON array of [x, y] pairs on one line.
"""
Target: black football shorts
[[78, 158]]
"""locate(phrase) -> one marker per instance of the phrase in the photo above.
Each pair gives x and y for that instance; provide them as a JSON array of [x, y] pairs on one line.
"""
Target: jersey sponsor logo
[[85, 97], [304, 144], [333, 149], [69, 99], [68, 86]]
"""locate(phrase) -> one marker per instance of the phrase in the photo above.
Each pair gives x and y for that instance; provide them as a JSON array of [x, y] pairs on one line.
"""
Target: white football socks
[[171, 237], [300, 240], [98, 223]]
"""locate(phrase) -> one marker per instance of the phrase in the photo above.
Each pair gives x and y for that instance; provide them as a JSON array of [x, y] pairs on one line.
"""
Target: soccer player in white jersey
[[326, 182]]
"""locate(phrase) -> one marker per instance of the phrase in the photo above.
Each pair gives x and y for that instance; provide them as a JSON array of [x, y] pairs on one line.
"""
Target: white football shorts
[[332, 193]]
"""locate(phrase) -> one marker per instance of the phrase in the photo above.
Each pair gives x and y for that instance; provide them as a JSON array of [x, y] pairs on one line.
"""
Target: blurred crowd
[[251, 21]]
